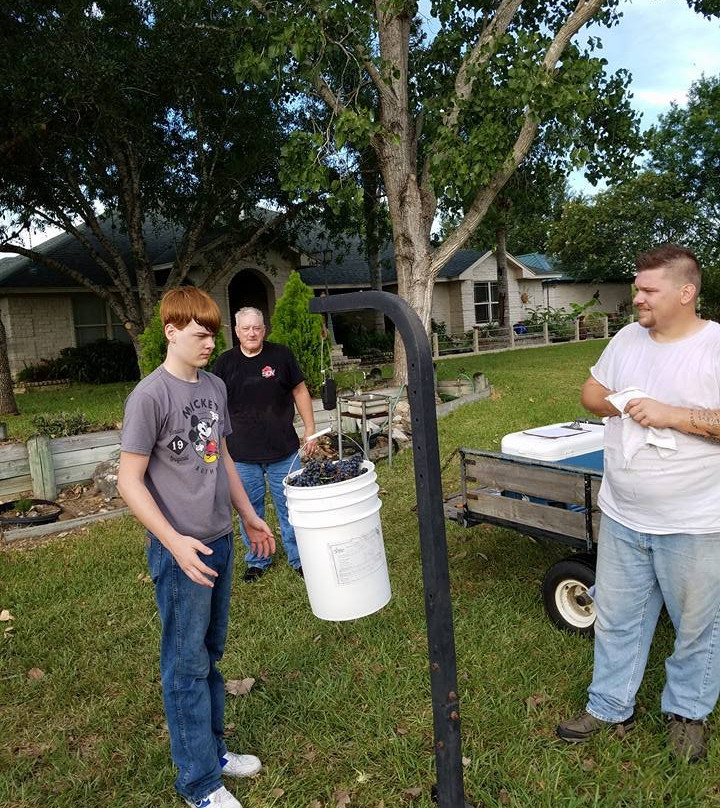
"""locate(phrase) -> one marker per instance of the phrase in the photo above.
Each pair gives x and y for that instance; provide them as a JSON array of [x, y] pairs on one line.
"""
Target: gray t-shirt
[[180, 425]]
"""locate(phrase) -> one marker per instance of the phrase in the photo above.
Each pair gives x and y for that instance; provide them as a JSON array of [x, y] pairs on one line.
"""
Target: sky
[[665, 45]]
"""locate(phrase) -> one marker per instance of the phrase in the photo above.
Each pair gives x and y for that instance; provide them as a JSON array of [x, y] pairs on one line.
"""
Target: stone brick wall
[[38, 327]]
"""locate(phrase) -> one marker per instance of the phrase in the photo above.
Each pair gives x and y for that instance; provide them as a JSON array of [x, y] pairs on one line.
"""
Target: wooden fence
[[43, 464]]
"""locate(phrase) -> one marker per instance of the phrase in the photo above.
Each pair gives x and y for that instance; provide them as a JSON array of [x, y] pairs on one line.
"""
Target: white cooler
[[567, 443]]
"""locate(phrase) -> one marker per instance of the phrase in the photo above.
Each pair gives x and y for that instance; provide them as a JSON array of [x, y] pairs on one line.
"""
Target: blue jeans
[[636, 573], [253, 478], [194, 625]]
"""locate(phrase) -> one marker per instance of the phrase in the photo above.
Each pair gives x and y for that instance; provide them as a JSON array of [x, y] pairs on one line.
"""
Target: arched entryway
[[249, 288]]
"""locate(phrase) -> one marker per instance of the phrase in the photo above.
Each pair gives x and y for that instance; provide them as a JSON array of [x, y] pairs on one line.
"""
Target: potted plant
[[29, 511]]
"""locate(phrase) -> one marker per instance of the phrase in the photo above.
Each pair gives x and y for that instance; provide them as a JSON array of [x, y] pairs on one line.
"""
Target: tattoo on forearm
[[707, 423]]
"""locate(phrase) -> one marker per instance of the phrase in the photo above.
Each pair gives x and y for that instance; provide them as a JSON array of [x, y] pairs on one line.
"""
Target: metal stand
[[431, 524], [363, 402]]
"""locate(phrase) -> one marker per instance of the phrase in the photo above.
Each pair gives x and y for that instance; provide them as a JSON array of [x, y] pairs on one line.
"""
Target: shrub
[[61, 424], [293, 325], [359, 341], [100, 362], [153, 345]]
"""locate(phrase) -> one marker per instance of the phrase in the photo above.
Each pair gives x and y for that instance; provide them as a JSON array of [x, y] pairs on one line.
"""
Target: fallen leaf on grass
[[315, 804], [401, 731], [362, 777], [381, 804], [229, 729], [317, 638], [35, 673], [144, 578], [534, 701], [8, 631], [466, 761], [504, 797], [33, 750], [342, 798], [588, 765], [5, 616], [309, 754], [239, 687], [412, 793], [277, 793]]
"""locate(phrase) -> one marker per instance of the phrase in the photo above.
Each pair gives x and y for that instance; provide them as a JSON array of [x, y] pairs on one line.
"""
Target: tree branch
[[478, 55], [584, 11]]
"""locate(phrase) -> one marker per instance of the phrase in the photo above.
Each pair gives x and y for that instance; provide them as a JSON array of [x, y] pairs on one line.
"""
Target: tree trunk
[[8, 405], [371, 185], [502, 278]]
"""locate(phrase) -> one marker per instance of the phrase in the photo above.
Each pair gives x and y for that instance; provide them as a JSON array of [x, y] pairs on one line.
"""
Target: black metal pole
[[431, 524]]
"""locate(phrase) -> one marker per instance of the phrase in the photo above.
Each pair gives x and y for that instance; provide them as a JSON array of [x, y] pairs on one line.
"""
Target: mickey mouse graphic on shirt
[[203, 437]]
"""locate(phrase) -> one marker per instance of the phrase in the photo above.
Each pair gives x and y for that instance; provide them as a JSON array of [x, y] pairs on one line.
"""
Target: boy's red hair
[[185, 303]]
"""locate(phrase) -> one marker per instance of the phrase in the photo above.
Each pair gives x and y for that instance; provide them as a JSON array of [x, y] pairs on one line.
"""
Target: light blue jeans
[[253, 478], [636, 573], [194, 625]]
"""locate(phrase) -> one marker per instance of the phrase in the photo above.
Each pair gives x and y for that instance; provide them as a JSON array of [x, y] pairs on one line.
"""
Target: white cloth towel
[[635, 436]]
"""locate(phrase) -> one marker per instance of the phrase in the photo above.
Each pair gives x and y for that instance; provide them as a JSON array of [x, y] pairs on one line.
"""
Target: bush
[[61, 424], [101, 362], [153, 345], [293, 325], [359, 341]]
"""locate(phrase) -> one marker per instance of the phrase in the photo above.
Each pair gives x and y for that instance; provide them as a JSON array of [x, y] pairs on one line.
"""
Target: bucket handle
[[308, 438]]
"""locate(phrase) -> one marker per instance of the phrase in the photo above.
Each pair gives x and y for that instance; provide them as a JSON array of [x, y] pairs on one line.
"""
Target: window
[[94, 320], [487, 309]]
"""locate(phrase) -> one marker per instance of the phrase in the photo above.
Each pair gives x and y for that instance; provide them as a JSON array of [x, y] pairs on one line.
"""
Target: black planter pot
[[8, 518]]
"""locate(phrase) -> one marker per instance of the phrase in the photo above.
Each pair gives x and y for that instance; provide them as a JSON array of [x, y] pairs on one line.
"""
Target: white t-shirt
[[679, 493]]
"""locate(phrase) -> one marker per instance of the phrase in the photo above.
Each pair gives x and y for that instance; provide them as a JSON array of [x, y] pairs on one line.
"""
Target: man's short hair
[[248, 310], [185, 303], [679, 261]]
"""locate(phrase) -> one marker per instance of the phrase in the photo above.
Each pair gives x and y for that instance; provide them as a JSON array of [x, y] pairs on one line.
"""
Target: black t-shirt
[[260, 402]]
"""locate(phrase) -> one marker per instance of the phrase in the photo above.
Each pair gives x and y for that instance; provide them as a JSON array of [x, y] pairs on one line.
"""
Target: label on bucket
[[356, 558]]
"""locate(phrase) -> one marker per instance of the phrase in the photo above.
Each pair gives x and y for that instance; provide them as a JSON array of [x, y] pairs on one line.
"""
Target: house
[[44, 310]]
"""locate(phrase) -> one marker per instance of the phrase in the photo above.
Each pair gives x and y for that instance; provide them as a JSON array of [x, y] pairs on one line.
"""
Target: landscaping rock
[[105, 478]]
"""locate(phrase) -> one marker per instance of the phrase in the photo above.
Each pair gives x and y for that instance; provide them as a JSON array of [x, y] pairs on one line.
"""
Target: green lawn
[[336, 707]]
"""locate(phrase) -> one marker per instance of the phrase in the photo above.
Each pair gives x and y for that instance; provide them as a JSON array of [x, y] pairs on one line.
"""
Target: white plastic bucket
[[339, 538]]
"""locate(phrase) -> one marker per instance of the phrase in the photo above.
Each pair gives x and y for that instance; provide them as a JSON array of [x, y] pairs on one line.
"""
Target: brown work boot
[[581, 727], [686, 737]]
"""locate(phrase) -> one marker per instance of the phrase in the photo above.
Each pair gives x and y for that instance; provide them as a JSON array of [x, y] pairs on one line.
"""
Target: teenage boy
[[177, 477]]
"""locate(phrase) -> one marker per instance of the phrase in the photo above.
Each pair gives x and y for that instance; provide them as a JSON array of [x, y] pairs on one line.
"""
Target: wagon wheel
[[565, 594]]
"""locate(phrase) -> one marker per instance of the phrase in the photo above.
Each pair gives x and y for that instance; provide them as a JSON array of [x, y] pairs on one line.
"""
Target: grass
[[336, 707], [102, 404]]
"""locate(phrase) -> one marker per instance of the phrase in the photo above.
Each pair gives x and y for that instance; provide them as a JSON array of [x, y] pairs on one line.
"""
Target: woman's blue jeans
[[636, 573], [253, 478], [194, 626]]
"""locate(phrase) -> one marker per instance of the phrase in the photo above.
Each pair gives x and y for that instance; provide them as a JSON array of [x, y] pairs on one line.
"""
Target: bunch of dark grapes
[[323, 472]]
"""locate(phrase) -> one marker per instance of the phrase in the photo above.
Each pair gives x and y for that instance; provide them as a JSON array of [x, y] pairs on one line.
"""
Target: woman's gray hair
[[248, 310]]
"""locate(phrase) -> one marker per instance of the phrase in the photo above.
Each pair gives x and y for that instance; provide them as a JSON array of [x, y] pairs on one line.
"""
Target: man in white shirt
[[659, 537]]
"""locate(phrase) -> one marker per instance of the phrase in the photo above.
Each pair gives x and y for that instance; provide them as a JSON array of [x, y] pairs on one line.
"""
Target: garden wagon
[[543, 500]]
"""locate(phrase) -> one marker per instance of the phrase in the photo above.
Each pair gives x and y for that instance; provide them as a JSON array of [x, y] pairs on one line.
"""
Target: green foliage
[[560, 321], [101, 362], [23, 505], [153, 345], [371, 346], [293, 325], [108, 106], [675, 198], [62, 424]]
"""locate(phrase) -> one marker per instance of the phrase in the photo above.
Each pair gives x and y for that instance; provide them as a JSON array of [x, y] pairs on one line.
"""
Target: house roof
[[160, 239], [349, 267], [540, 264]]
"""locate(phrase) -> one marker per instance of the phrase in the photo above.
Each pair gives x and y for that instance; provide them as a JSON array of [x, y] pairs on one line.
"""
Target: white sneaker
[[239, 765], [220, 798]]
